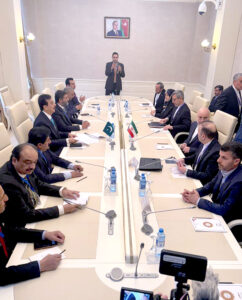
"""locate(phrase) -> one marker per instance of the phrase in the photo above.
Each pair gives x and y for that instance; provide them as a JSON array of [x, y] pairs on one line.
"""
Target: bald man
[[192, 143], [204, 162]]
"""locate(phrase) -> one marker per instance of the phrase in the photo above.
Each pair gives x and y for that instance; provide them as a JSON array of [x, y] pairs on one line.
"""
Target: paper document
[[42, 254], [207, 225], [146, 116], [163, 146], [81, 200], [230, 291], [176, 173], [84, 138]]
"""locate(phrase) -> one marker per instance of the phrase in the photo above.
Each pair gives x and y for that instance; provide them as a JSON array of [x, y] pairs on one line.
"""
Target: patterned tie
[[32, 194], [2, 242]]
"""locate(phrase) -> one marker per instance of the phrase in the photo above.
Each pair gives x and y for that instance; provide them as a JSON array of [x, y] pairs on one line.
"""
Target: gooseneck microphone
[[141, 248]]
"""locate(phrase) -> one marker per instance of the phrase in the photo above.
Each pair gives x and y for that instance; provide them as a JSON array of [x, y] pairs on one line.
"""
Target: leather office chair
[[6, 100], [20, 121], [179, 86], [197, 104], [5, 145], [35, 105], [233, 224], [47, 91], [60, 86], [190, 100], [225, 124]]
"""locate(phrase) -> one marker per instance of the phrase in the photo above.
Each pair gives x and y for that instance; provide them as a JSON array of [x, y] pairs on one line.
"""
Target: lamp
[[206, 46], [29, 38], [202, 9]]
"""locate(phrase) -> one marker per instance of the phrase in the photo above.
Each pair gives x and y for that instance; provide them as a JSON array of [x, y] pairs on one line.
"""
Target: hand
[[69, 194], [163, 121], [85, 124], [70, 208], [119, 69], [78, 168], [181, 160], [186, 150], [82, 98], [79, 106], [152, 112], [71, 135], [191, 197], [168, 127], [55, 236], [113, 66], [75, 174], [50, 262], [72, 140], [181, 167], [182, 146]]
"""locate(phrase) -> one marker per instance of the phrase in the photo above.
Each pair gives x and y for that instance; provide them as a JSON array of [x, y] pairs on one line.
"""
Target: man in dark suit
[[10, 236], [40, 137], [180, 117], [159, 98], [226, 186], [62, 120], [217, 92], [204, 161], [230, 100], [114, 32], [114, 71], [192, 143], [24, 189], [167, 106], [58, 139], [74, 103]]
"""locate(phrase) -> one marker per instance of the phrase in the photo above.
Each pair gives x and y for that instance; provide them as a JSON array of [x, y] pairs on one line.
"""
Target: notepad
[[42, 254], [163, 147], [176, 173], [86, 139], [230, 291], [207, 225], [81, 200]]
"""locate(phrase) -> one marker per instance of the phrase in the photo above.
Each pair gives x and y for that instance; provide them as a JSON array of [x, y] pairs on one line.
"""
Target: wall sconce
[[29, 38], [206, 46]]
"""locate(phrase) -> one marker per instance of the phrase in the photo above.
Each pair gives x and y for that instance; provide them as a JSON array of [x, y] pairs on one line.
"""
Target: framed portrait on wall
[[116, 28]]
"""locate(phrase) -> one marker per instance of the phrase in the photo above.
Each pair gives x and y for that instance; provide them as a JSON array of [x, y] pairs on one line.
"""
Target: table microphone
[[156, 131], [141, 248], [91, 115], [85, 163]]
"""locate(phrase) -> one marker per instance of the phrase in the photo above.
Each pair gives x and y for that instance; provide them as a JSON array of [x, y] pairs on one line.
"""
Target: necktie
[[66, 114], [2, 242], [199, 158], [45, 160], [53, 122], [33, 195]]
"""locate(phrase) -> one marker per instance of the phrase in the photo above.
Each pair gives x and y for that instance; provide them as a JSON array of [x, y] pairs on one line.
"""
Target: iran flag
[[132, 129]]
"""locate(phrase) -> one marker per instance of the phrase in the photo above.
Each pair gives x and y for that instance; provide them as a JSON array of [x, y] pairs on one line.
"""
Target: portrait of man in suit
[[116, 27]]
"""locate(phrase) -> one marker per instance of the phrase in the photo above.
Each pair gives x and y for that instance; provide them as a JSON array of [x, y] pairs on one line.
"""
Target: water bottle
[[112, 99], [109, 105], [113, 135], [142, 185], [126, 106], [98, 109], [160, 241], [113, 179]]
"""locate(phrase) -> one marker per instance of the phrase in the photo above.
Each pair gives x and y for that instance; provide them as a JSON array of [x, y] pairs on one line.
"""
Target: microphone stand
[[132, 148]]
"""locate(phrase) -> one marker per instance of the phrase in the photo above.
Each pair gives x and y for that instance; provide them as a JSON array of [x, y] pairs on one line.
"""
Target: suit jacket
[[207, 166], [228, 102], [110, 74], [63, 121], [112, 33], [192, 143], [212, 104], [19, 208], [227, 198], [166, 110], [58, 138], [182, 120], [44, 167], [160, 102], [22, 272]]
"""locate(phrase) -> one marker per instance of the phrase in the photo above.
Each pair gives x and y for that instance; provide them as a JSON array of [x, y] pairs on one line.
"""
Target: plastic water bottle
[[126, 106], [160, 241], [113, 179], [109, 105], [98, 110], [142, 185], [113, 135], [112, 99]]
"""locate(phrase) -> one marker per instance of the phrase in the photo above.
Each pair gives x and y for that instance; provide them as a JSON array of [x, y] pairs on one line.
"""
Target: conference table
[[91, 251]]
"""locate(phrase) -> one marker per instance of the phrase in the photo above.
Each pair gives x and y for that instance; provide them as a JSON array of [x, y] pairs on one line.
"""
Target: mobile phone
[[133, 294], [44, 244]]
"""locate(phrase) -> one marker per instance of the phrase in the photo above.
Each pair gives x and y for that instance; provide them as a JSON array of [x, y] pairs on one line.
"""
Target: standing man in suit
[[114, 71], [159, 98], [226, 187], [217, 92], [10, 236], [23, 189], [59, 139], [192, 143], [40, 138], [114, 32], [230, 100], [180, 118], [74, 102], [204, 162], [62, 119]]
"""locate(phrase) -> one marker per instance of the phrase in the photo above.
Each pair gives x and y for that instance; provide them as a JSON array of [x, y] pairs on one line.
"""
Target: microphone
[[85, 163], [156, 131], [141, 248], [91, 115]]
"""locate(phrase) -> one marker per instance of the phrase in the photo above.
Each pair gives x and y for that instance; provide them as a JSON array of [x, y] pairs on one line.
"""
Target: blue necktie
[[53, 122]]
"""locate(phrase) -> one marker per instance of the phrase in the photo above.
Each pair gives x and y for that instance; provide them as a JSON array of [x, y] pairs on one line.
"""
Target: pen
[[62, 251], [82, 178], [162, 143]]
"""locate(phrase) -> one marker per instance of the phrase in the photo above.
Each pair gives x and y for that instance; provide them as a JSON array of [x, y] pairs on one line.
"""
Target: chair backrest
[[197, 104], [190, 100], [47, 91], [7, 96], [225, 124], [20, 121], [179, 86], [35, 105], [5, 145], [60, 86]]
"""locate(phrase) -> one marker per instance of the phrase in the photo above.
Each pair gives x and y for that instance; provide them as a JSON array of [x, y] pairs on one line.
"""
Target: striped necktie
[[2, 242]]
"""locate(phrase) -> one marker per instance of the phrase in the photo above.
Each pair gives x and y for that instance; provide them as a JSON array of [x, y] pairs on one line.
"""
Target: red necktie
[[2, 242]]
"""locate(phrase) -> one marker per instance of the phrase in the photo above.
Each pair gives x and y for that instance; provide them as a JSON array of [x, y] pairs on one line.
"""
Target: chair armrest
[[234, 223], [180, 134]]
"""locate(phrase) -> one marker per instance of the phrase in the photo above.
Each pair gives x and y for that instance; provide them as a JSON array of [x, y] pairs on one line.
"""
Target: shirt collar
[[227, 173], [47, 115], [62, 107]]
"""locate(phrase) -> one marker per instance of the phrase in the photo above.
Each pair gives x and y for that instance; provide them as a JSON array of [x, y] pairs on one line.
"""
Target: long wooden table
[[90, 252]]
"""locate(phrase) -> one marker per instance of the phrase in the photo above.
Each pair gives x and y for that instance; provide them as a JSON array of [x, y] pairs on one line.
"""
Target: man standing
[[114, 32], [114, 71], [159, 98], [217, 92], [192, 142]]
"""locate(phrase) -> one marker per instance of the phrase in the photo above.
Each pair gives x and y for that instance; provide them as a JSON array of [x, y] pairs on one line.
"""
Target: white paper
[[176, 173], [84, 138], [81, 200], [207, 225], [156, 129], [42, 254], [146, 116], [230, 291], [163, 147]]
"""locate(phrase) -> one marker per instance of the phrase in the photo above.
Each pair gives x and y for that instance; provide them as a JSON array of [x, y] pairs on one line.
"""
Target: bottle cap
[[161, 230]]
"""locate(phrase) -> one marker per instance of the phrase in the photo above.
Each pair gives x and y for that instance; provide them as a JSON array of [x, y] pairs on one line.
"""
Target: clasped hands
[[190, 196]]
